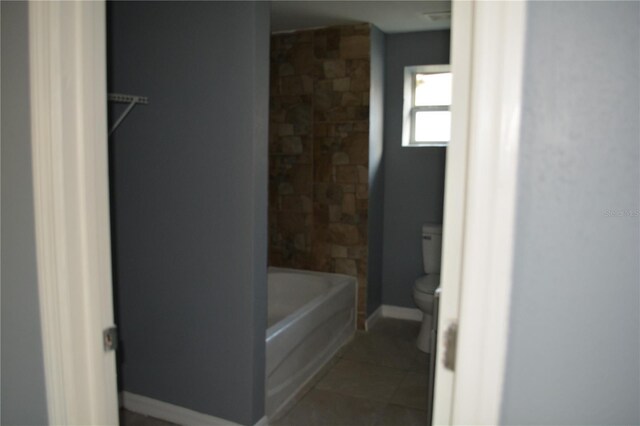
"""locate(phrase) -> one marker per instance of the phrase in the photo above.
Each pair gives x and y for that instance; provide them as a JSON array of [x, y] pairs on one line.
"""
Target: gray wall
[[414, 177], [23, 385], [376, 171], [573, 354], [189, 179]]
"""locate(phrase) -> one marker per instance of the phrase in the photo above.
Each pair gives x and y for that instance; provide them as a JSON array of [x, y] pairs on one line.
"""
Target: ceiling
[[389, 16]]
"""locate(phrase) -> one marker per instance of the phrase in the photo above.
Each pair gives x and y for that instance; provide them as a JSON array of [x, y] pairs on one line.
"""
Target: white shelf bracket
[[132, 100]]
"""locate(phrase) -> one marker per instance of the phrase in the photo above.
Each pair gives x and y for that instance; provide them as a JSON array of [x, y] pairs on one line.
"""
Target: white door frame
[[67, 44], [69, 139], [480, 198]]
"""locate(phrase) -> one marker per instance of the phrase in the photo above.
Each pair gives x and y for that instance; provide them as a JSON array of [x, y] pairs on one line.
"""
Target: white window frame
[[410, 109]]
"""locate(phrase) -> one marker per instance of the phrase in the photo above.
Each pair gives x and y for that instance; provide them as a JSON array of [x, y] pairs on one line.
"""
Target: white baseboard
[[400, 312], [173, 413], [373, 318]]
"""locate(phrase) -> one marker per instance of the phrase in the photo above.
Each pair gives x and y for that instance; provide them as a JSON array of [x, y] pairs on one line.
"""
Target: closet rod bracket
[[132, 100]]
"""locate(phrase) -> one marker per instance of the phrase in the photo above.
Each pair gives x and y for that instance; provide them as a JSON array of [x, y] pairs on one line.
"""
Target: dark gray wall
[[189, 179], [573, 354], [376, 171], [414, 176], [23, 385]]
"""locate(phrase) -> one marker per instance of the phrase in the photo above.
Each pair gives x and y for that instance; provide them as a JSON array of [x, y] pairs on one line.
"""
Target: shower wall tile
[[319, 152]]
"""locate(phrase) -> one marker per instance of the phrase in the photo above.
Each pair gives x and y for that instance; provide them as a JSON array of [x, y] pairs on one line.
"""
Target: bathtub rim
[[286, 322]]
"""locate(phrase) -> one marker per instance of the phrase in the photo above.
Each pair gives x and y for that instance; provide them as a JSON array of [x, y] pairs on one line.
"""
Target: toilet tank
[[431, 247]]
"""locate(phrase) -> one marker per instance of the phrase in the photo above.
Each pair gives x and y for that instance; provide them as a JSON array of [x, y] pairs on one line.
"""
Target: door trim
[[67, 51], [488, 42], [454, 201]]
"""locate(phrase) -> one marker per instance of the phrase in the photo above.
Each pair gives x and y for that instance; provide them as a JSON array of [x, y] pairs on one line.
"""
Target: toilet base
[[424, 337]]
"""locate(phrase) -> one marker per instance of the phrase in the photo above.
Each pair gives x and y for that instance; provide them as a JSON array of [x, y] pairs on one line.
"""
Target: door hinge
[[450, 343], [110, 339]]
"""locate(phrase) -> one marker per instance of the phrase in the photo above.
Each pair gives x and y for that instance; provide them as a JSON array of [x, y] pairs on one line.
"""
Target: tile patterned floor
[[378, 379]]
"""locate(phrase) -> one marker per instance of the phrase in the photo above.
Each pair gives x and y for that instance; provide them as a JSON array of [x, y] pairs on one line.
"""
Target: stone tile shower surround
[[319, 152]]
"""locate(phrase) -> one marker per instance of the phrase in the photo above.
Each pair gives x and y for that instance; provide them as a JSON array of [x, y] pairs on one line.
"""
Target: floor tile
[[422, 362], [407, 331], [324, 408], [412, 391], [395, 415], [382, 350], [379, 379], [400, 329], [364, 380]]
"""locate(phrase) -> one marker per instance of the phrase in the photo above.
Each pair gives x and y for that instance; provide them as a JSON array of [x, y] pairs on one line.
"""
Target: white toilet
[[426, 285]]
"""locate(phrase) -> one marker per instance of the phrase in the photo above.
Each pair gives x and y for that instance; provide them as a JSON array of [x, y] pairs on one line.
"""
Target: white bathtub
[[310, 316]]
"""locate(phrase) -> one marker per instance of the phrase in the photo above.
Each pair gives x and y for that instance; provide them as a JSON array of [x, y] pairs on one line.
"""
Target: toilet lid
[[428, 283]]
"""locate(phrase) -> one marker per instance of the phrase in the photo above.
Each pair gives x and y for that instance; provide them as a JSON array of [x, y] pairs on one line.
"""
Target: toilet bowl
[[425, 286], [423, 293]]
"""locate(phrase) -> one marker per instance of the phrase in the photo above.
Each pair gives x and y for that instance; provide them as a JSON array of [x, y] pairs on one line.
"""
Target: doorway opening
[[346, 196]]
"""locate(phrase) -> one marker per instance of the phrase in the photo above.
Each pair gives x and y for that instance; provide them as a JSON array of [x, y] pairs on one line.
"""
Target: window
[[427, 105]]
